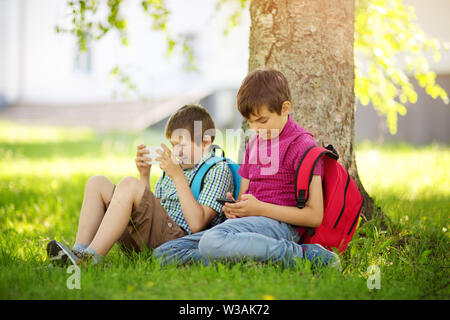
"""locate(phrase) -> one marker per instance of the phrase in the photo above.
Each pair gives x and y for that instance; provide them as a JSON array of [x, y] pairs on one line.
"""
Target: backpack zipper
[[343, 206]]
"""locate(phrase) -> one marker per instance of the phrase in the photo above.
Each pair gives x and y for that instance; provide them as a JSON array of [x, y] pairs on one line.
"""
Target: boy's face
[[188, 152], [268, 125]]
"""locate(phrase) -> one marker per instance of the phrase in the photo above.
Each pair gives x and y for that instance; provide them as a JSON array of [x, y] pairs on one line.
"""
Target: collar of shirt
[[265, 150], [287, 129], [169, 185], [287, 133], [205, 157], [290, 132]]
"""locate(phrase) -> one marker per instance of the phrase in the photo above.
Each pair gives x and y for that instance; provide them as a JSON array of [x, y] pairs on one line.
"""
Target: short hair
[[263, 88], [185, 117]]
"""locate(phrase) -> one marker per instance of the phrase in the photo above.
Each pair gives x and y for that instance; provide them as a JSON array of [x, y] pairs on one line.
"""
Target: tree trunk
[[311, 43]]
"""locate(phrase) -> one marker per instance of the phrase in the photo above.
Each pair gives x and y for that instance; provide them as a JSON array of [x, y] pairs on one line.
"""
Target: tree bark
[[311, 43]]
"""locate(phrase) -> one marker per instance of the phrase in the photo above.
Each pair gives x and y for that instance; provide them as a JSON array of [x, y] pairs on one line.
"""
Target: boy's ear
[[286, 108], [207, 140]]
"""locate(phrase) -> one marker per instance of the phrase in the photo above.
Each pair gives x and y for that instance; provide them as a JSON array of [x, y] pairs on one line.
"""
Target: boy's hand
[[226, 209], [141, 161], [169, 163], [248, 206]]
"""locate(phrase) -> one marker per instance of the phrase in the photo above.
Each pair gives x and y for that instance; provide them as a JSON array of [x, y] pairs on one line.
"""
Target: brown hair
[[263, 88], [185, 117]]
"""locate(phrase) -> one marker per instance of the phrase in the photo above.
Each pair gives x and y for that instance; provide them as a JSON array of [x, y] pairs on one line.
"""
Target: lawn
[[43, 171]]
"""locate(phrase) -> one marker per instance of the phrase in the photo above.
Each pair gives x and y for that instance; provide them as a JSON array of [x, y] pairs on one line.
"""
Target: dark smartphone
[[222, 201]]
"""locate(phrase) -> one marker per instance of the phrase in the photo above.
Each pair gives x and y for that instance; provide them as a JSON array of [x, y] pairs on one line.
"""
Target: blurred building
[[42, 72], [43, 77]]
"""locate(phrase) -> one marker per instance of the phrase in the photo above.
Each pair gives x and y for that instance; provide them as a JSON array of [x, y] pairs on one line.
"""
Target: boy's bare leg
[[128, 193], [98, 191]]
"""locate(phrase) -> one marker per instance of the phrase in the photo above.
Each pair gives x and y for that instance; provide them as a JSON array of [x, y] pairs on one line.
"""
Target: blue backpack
[[199, 178]]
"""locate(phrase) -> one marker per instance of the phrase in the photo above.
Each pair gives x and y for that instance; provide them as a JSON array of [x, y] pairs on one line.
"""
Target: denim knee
[[212, 243], [158, 252], [164, 249]]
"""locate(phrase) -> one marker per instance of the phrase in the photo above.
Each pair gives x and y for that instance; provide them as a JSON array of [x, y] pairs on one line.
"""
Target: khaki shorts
[[150, 225]]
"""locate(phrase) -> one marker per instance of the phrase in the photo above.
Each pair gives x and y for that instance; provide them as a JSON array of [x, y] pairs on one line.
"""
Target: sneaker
[[60, 255], [86, 259], [321, 257]]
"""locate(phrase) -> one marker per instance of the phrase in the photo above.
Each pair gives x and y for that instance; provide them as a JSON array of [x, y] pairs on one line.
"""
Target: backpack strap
[[199, 177], [234, 168], [305, 170], [214, 148]]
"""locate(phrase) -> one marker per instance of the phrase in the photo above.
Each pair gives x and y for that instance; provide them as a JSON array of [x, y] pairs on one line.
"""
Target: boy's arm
[[145, 181], [197, 216], [242, 189], [310, 216], [143, 167]]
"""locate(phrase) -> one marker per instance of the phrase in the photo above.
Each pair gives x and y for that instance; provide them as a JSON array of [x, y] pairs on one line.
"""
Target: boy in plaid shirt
[[131, 215]]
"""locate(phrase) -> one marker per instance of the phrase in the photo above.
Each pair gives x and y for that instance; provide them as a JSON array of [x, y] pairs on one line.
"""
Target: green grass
[[43, 171]]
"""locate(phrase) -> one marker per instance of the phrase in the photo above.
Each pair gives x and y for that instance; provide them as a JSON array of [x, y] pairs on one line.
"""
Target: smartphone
[[222, 201], [152, 154]]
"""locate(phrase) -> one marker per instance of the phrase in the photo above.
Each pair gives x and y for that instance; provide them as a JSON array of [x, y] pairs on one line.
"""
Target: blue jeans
[[182, 250], [257, 238]]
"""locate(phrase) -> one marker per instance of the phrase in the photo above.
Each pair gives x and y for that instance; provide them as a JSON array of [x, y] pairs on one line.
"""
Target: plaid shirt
[[217, 183]]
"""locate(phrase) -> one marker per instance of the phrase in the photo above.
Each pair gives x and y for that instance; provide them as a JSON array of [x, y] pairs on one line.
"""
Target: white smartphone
[[152, 154]]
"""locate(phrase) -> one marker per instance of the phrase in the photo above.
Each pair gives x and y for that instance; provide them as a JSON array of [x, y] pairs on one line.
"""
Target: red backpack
[[342, 200]]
